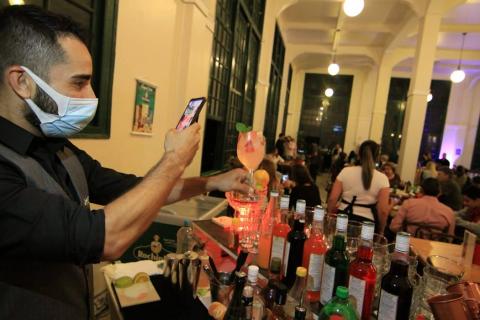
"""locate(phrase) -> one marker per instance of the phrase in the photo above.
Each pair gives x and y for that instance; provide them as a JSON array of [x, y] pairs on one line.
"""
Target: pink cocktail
[[251, 150]]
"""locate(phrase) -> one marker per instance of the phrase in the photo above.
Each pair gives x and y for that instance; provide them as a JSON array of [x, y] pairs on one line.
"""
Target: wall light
[[458, 75], [353, 8], [329, 92]]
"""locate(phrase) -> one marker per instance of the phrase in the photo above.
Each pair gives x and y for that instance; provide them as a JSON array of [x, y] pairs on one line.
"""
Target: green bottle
[[339, 306]]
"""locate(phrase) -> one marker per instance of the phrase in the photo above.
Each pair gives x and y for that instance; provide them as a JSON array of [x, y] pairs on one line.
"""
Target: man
[[443, 161], [426, 210], [450, 193], [48, 235], [469, 217]]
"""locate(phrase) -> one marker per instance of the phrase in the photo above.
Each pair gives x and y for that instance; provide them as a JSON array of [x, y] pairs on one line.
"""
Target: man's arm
[[397, 222]]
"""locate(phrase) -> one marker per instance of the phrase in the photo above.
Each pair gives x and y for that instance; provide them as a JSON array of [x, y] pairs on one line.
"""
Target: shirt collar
[[20, 140]]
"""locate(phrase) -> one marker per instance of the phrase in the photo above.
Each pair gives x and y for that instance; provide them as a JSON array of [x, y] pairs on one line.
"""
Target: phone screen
[[284, 177], [191, 113]]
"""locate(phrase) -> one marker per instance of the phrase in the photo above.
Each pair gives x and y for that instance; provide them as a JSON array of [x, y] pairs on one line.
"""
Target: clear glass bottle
[[266, 229], [335, 269], [258, 303], [278, 310], [363, 273], [297, 292], [314, 255], [185, 240], [396, 293]]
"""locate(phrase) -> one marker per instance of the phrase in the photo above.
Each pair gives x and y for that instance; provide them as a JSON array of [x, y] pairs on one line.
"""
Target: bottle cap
[[368, 228], [342, 222], [301, 272], [240, 274], [342, 292], [275, 265], [300, 206], [274, 193], [247, 292], [186, 223], [252, 273], [284, 202], [300, 312], [402, 242], [281, 296], [318, 213]]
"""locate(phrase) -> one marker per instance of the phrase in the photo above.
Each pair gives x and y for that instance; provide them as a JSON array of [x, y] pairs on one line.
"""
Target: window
[[233, 75], [287, 99], [324, 119], [98, 19], [475, 165], [273, 100], [434, 119]]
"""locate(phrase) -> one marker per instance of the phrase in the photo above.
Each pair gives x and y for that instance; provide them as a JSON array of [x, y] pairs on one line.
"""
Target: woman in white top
[[362, 190]]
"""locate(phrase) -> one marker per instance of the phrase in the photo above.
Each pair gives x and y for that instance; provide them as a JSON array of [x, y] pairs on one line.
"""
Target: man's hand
[[183, 143], [234, 180]]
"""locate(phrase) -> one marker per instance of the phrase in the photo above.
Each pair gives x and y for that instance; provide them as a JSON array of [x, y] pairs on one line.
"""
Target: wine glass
[[251, 151]]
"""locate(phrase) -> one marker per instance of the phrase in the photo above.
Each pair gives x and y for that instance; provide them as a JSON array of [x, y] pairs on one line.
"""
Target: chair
[[428, 232]]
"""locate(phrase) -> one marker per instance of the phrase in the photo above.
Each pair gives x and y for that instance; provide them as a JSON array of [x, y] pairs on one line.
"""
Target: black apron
[[348, 210]]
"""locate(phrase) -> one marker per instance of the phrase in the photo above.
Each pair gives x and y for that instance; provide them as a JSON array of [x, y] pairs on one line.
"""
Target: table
[[425, 248]]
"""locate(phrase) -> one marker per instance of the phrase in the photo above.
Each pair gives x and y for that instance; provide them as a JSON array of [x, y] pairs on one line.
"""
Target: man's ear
[[20, 82]]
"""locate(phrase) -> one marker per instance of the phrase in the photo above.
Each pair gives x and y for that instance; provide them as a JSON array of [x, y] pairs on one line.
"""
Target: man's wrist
[[171, 166]]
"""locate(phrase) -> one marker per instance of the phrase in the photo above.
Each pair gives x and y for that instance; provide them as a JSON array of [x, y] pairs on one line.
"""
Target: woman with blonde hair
[[362, 190], [430, 170]]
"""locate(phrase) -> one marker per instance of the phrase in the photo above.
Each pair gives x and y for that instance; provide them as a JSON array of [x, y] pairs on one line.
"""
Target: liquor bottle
[[236, 309], [275, 269], [247, 300], [258, 304], [266, 228], [314, 255], [280, 232], [335, 268], [280, 299], [339, 307], [363, 273], [269, 292], [300, 313], [185, 240], [294, 248], [396, 293], [296, 293]]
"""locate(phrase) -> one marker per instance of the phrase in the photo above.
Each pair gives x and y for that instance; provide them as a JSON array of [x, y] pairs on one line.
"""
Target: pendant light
[[458, 75], [353, 8], [16, 2], [329, 92]]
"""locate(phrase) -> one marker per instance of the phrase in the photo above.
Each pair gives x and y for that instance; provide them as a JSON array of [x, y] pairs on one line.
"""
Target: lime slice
[[123, 282]]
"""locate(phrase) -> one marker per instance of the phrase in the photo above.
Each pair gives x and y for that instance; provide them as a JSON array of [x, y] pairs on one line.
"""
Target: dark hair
[[390, 165], [473, 192], [29, 36], [431, 187], [368, 151], [446, 170], [301, 175], [460, 171]]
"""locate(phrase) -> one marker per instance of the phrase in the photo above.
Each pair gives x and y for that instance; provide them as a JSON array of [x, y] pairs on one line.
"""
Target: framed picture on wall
[[144, 108]]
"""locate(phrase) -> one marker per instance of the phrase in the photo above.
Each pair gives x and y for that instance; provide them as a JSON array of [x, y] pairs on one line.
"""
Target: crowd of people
[[364, 186]]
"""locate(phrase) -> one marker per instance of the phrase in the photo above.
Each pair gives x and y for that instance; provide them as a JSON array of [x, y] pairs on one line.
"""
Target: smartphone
[[284, 178], [191, 113]]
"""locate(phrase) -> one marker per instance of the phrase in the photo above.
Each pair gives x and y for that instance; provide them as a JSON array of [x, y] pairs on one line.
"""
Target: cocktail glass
[[251, 151]]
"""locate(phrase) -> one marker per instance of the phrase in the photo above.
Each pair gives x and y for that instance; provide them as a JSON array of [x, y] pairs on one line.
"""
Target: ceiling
[[319, 28]]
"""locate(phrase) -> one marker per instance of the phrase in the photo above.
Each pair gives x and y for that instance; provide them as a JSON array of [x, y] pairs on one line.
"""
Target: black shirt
[[37, 225]]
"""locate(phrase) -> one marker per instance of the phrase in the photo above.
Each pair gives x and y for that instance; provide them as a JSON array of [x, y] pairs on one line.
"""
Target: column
[[295, 105], [381, 97], [417, 95]]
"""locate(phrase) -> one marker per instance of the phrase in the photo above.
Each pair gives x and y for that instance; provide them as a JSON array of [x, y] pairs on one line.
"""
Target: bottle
[[300, 313], [258, 304], [280, 232], [236, 309], [363, 273], [314, 254], [185, 237], [396, 293], [294, 248], [335, 268], [278, 310], [247, 300], [339, 307], [269, 292], [296, 293], [266, 228]]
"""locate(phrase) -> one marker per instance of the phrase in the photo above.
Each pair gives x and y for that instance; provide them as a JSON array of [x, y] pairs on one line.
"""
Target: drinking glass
[[329, 226], [251, 151], [354, 230]]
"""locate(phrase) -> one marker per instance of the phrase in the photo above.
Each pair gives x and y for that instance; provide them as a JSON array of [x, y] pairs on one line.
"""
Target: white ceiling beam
[[460, 28], [350, 26], [409, 27]]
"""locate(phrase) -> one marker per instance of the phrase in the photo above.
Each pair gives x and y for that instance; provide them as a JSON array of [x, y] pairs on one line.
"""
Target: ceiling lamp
[[329, 92], [429, 97], [458, 75], [333, 68], [353, 8], [16, 2]]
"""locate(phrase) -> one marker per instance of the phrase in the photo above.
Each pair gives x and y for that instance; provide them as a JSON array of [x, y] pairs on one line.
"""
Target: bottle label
[[315, 268], [278, 244], [257, 310], [356, 288], [328, 280], [388, 306], [285, 258]]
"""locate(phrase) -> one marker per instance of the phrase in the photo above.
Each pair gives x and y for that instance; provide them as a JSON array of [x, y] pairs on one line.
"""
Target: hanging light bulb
[[16, 2], [458, 75], [329, 92], [429, 97], [353, 8], [333, 69]]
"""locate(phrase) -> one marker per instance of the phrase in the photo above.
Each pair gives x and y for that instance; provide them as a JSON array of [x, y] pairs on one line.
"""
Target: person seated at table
[[450, 193], [290, 148], [393, 178], [363, 190], [424, 211], [274, 155], [305, 188], [430, 171], [461, 178], [469, 217]]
